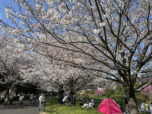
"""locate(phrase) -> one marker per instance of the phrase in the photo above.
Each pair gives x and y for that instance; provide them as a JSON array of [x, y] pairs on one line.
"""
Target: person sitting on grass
[[146, 107], [121, 107], [34, 100], [89, 105], [11, 99], [65, 99], [143, 106]]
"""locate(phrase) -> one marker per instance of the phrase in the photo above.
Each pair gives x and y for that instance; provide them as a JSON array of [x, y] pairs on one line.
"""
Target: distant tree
[[14, 64], [9, 77]]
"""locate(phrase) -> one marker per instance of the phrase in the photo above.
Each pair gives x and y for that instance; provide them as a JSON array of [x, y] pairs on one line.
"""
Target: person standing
[[125, 98], [34, 100], [126, 101], [6, 101], [11, 99], [42, 102], [21, 99], [31, 97]]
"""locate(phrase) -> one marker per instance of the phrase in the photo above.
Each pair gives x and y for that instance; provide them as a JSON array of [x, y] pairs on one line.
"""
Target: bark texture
[[132, 103]]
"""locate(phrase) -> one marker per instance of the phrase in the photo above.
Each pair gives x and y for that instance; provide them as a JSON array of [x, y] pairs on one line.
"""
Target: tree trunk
[[72, 98], [132, 103], [61, 92], [7, 93]]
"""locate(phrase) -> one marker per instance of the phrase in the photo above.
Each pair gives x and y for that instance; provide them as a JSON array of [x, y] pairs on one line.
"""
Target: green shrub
[[90, 91], [108, 92]]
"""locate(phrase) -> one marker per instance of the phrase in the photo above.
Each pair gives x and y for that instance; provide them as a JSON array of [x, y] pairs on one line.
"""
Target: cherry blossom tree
[[9, 77], [14, 64], [146, 76], [64, 78], [9, 71], [147, 91], [112, 37]]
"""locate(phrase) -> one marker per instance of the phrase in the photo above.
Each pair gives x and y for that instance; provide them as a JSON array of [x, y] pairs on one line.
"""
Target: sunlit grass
[[64, 109], [54, 108]]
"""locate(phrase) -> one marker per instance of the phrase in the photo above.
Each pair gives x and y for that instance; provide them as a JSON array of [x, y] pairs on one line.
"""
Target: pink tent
[[109, 106]]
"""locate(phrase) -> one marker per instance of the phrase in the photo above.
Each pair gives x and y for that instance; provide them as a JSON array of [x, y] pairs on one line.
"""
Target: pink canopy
[[109, 106], [147, 90]]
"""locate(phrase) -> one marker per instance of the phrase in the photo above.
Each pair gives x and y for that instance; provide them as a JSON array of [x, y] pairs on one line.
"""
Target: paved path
[[16, 108]]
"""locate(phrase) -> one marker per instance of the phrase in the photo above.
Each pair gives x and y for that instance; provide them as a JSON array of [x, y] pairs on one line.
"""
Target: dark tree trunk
[[61, 92], [7, 93], [132, 103], [72, 97]]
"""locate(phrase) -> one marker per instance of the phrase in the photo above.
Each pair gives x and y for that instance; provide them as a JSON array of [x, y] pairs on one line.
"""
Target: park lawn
[[64, 109], [53, 107]]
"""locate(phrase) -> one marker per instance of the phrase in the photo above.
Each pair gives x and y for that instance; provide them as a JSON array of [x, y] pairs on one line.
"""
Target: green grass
[[117, 95], [63, 109], [54, 108]]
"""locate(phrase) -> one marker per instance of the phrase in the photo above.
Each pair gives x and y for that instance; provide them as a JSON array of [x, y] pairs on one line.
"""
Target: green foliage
[[52, 101], [119, 99], [117, 95], [137, 84], [108, 92], [90, 91], [140, 98], [120, 90]]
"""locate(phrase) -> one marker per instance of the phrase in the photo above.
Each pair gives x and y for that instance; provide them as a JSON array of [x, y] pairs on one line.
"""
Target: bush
[[117, 95], [90, 91], [108, 92], [118, 98], [140, 98], [1, 101]]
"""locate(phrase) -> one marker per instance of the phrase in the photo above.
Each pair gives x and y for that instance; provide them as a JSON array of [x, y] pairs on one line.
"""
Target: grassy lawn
[[64, 109], [54, 108]]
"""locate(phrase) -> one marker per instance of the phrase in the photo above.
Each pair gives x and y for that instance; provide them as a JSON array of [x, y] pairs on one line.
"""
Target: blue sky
[[3, 4]]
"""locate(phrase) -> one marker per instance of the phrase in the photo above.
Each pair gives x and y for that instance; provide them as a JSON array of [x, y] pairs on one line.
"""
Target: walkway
[[16, 108]]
